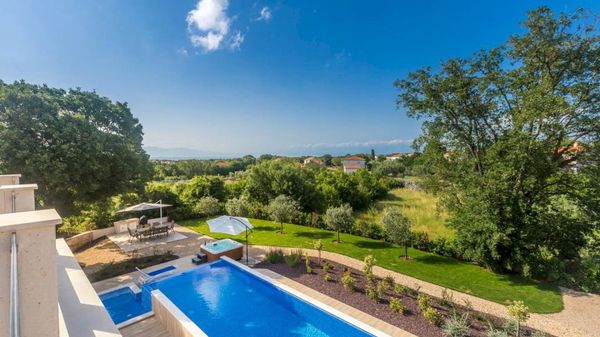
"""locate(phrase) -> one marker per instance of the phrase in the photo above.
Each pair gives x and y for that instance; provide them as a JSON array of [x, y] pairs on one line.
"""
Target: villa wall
[[9, 179], [38, 294], [77, 241], [24, 196]]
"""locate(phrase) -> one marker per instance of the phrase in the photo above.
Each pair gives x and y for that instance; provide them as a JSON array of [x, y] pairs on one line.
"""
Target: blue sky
[[237, 76]]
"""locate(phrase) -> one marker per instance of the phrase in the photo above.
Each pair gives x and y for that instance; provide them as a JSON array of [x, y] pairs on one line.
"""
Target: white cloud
[[182, 51], [359, 144], [208, 24], [265, 14], [236, 40]]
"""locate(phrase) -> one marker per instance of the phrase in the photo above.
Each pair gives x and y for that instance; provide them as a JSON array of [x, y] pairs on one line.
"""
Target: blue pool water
[[221, 246], [123, 304], [161, 270], [224, 300]]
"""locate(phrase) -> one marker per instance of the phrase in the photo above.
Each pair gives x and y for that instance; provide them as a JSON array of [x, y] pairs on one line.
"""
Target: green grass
[[420, 207], [446, 272]]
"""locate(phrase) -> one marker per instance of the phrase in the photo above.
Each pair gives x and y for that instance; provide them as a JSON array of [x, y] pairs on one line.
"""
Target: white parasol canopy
[[232, 225], [144, 206]]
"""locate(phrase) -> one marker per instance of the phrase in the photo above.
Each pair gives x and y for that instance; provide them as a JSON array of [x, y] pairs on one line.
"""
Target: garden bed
[[113, 269], [412, 320]]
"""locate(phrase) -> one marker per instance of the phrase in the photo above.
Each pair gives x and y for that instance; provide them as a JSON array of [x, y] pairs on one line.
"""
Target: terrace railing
[[14, 326]]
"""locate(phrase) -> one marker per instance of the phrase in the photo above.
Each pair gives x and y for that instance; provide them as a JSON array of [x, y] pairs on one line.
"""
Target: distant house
[[313, 161], [396, 156], [568, 152], [353, 164]]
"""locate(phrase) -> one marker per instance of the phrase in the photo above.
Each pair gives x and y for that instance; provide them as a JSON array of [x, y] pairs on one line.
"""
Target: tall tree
[[397, 228], [339, 219], [510, 137], [77, 146], [283, 209]]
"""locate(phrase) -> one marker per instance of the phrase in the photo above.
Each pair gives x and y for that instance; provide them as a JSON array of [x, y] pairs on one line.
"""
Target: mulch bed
[[411, 321], [110, 270]]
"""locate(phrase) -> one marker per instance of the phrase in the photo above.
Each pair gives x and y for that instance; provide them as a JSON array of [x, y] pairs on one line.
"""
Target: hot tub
[[226, 247]]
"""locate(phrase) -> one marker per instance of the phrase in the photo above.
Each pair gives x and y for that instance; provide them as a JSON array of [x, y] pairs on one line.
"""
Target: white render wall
[[38, 289], [22, 195], [9, 179]]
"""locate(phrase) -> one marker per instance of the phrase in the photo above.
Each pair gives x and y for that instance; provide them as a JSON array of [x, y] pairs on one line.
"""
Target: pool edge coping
[[185, 322], [310, 300]]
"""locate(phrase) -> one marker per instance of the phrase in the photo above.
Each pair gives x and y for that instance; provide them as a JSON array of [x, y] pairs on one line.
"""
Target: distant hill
[[178, 153]]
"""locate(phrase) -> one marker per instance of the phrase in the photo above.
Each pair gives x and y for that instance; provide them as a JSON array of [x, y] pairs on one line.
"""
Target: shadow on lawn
[[314, 235], [437, 260], [372, 244], [266, 228]]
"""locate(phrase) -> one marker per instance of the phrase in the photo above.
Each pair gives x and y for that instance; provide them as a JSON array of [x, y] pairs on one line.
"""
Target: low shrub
[[328, 277], [318, 245], [396, 305], [382, 288], [510, 326], [389, 280], [372, 293], [369, 230], [399, 289], [496, 333], [327, 266], [369, 262], [294, 258], [307, 263], [275, 256], [447, 298], [371, 278], [424, 301], [432, 316], [348, 281], [457, 325]]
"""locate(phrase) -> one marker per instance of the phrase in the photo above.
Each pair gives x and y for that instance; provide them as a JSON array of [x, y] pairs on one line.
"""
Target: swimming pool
[[224, 300]]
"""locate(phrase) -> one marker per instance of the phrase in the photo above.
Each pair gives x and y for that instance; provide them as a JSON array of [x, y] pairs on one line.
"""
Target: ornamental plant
[[457, 325], [348, 281], [318, 245], [369, 262], [307, 262], [518, 311], [432, 316], [396, 305], [424, 301], [371, 290]]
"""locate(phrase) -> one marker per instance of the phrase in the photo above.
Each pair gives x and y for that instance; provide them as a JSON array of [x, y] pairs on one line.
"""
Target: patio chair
[[133, 235]]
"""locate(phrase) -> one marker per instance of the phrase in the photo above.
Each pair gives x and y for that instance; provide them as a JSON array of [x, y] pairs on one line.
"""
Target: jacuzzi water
[[224, 300], [123, 304], [220, 246]]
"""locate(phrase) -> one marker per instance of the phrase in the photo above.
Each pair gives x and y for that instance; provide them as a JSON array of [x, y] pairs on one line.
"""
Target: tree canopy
[[511, 139], [283, 209], [397, 228], [339, 219], [78, 147]]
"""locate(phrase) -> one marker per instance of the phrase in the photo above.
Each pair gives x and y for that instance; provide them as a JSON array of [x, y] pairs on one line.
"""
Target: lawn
[[419, 206], [446, 272]]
